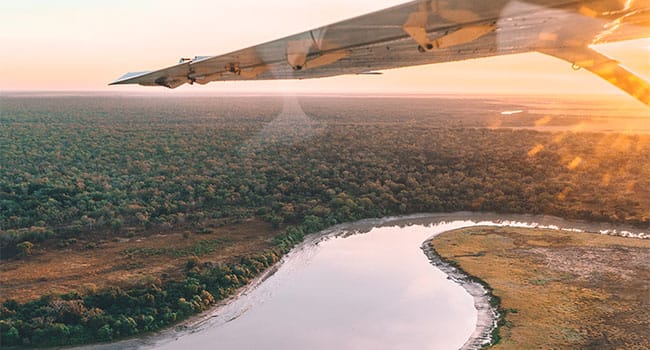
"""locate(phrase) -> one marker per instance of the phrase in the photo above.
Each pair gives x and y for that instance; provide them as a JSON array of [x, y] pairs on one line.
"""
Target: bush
[[11, 337], [25, 248], [192, 262], [105, 333]]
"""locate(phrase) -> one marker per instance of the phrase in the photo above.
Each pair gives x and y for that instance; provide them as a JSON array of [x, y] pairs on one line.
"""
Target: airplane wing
[[432, 31]]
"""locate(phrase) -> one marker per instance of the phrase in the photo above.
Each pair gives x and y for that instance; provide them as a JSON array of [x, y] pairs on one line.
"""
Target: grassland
[[559, 290], [85, 264], [101, 195]]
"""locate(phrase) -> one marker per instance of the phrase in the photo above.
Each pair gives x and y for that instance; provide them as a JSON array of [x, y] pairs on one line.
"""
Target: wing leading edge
[[432, 31]]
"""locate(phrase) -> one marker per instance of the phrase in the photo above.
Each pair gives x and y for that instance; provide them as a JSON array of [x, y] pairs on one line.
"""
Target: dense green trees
[[117, 313], [72, 166], [25, 247], [71, 172]]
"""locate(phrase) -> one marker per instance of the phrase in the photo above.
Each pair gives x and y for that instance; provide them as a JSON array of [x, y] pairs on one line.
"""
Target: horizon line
[[167, 93]]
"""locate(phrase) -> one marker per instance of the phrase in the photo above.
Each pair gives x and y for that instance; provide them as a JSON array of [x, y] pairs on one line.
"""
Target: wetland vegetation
[[229, 186], [558, 290]]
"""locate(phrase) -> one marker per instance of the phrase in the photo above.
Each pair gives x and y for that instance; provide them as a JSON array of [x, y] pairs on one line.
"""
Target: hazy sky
[[85, 44]]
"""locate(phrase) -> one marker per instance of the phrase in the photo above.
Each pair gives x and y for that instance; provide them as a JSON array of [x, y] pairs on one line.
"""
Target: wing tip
[[129, 78]]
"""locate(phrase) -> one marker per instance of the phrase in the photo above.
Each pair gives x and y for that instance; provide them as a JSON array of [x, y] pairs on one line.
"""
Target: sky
[[82, 45]]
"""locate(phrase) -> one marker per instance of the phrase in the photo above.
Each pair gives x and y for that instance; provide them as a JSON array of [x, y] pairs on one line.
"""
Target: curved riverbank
[[484, 302], [557, 289], [444, 222]]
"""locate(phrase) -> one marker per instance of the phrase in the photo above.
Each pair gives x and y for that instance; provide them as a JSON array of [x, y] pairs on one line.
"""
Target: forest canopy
[[85, 166]]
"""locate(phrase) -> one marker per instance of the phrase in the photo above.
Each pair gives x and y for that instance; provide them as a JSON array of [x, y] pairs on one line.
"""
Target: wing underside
[[431, 31]]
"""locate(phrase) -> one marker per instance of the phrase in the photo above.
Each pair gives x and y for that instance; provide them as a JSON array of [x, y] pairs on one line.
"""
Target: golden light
[[574, 163], [535, 150], [543, 121], [607, 178]]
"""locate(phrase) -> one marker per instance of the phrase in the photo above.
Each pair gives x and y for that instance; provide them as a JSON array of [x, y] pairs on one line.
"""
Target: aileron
[[422, 32]]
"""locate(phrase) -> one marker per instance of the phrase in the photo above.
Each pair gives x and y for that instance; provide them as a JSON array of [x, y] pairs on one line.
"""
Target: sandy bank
[[226, 312]]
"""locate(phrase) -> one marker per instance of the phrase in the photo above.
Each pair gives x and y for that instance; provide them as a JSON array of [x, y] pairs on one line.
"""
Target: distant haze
[[83, 45]]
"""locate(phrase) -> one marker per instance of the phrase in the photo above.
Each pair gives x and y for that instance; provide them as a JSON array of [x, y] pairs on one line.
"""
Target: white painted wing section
[[423, 32]]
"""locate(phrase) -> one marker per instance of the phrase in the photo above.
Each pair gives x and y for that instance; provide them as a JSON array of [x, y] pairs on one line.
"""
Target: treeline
[[88, 167], [114, 313], [63, 175]]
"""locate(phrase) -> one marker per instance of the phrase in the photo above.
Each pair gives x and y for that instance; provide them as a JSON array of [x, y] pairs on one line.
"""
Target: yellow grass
[[96, 263], [560, 290]]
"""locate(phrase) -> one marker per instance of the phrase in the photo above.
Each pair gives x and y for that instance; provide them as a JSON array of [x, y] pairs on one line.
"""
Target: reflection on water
[[365, 285], [370, 291], [345, 290]]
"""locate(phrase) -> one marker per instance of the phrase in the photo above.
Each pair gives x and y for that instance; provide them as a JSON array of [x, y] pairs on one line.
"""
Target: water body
[[366, 285]]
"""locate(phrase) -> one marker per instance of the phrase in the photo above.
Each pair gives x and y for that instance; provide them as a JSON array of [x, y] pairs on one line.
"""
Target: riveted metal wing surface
[[432, 31]]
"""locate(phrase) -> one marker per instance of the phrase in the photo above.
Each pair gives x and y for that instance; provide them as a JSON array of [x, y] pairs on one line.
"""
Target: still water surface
[[368, 291], [341, 289]]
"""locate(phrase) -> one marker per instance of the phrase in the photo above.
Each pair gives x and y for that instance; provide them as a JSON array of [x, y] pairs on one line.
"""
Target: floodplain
[[557, 289], [124, 215]]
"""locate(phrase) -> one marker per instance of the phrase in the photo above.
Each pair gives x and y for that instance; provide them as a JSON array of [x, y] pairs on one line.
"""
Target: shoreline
[[488, 315], [555, 289]]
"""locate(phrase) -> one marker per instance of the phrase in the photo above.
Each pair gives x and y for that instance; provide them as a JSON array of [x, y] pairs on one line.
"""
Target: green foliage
[[65, 171], [73, 166], [115, 313], [11, 337], [105, 333], [192, 262], [25, 248], [203, 247], [313, 223]]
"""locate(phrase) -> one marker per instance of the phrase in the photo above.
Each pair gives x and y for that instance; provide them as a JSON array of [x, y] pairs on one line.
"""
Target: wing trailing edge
[[432, 31]]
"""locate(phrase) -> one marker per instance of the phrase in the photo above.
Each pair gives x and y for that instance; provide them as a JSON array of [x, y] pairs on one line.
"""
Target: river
[[364, 285]]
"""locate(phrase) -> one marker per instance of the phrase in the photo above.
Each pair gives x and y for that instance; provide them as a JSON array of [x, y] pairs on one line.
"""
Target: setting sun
[[349, 175], [83, 45]]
